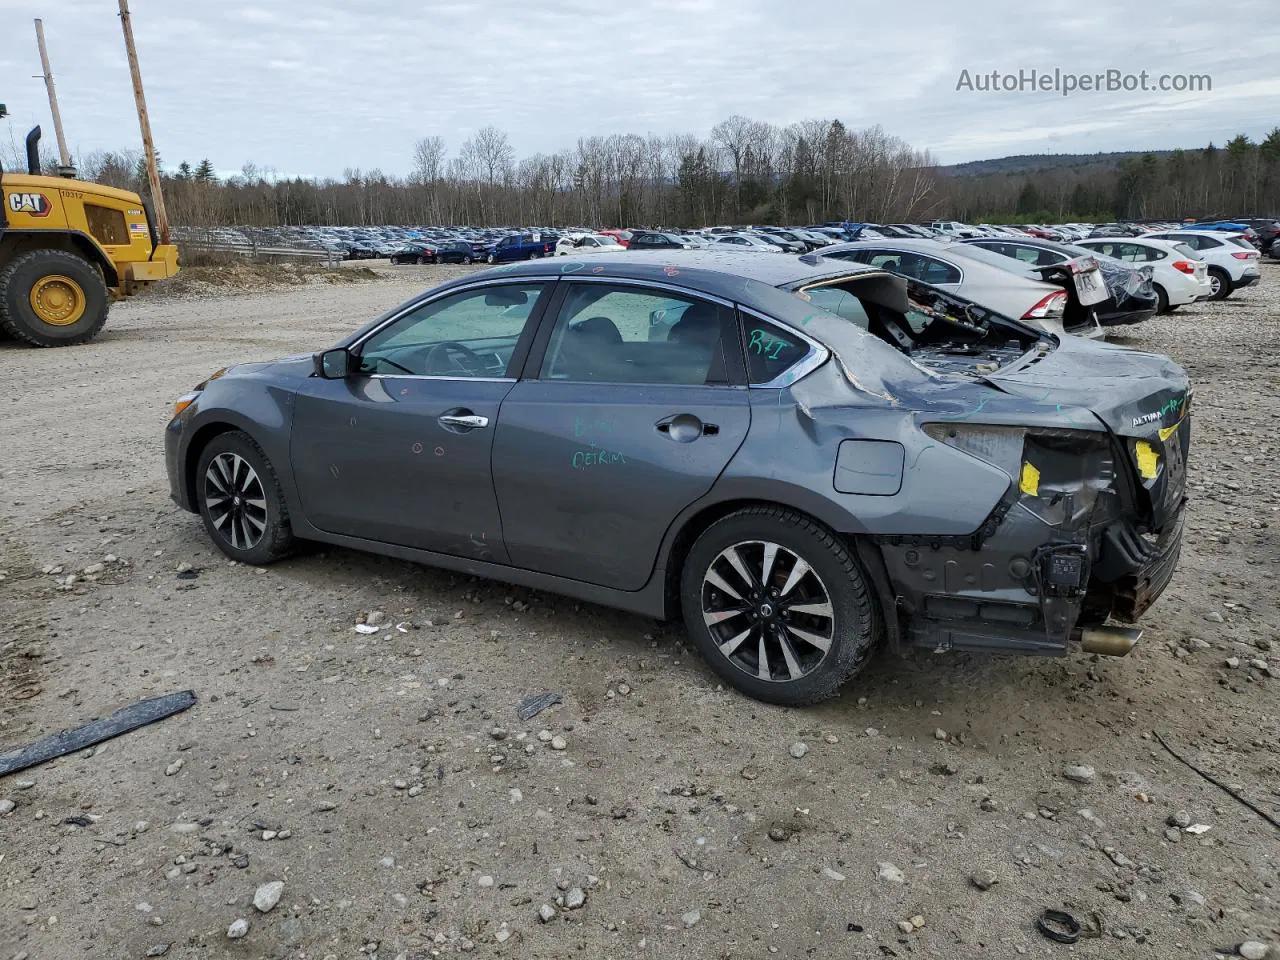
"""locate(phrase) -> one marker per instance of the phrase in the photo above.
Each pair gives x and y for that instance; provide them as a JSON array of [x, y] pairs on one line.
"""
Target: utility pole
[[148, 146], [64, 156]]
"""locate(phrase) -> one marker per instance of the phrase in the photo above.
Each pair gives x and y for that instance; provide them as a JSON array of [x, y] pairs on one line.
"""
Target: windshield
[[606, 241]]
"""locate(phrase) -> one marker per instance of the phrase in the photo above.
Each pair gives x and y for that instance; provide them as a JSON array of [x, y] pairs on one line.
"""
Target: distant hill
[[1035, 162]]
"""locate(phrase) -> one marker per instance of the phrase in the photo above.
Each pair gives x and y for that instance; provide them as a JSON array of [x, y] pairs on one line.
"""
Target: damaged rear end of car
[[1076, 469]]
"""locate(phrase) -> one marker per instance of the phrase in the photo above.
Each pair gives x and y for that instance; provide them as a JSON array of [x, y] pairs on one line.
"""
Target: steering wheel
[[456, 357]]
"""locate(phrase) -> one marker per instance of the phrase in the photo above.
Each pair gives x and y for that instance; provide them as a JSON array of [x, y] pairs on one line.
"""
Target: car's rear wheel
[[240, 500], [1162, 299], [534, 255], [778, 605], [1219, 284], [466, 260]]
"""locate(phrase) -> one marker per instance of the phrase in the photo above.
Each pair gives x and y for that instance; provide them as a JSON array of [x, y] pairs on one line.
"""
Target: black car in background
[[415, 253], [1266, 233], [652, 240], [455, 251]]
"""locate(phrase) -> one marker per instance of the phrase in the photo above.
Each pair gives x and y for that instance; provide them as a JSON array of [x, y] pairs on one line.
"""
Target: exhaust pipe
[[1109, 641], [33, 152]]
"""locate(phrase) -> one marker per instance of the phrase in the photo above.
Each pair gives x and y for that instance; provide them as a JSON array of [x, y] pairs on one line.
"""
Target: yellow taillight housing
[[1148, 460]]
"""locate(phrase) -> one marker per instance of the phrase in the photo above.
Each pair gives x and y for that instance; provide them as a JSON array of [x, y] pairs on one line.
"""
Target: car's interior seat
[[700, 329], [589, 349]]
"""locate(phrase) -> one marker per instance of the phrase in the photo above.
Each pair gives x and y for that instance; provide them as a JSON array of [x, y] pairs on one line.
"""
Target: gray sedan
[[806, 459]]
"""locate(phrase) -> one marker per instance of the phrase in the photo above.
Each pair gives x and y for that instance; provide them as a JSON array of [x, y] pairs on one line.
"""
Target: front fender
[[260, 409]]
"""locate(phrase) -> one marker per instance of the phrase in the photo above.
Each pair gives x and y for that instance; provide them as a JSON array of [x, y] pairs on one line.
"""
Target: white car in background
[[1179, 274], [577, 244], [1232, 260], [743, 241], [992, 280]]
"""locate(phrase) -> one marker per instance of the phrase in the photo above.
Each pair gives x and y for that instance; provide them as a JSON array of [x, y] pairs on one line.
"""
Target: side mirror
[[333, 364]]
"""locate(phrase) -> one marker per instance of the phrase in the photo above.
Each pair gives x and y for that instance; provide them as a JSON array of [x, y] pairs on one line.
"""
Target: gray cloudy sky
[[311, 87]]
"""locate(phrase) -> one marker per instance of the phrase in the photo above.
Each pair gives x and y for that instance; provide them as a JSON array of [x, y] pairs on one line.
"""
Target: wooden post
[[63, 155], [148, 146]]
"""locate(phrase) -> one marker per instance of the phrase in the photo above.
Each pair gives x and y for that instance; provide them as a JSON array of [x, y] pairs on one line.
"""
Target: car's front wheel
[[240, 500], [778, 605], [491, 259]]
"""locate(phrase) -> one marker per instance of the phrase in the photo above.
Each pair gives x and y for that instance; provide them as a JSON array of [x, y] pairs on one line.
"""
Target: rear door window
[[633, 334]]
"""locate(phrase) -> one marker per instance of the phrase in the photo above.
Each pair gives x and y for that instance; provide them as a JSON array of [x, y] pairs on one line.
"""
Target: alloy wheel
[[236, 500], [1215, 284], [768, 611]]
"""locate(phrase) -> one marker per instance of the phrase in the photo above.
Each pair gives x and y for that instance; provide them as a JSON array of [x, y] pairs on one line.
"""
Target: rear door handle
[[467, 421], [685, 428]]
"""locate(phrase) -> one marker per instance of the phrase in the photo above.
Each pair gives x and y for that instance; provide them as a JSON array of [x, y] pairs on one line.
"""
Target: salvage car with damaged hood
[[805, 459]]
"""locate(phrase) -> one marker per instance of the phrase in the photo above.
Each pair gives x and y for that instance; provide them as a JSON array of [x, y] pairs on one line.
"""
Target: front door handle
[[466, 421], [685, 428]]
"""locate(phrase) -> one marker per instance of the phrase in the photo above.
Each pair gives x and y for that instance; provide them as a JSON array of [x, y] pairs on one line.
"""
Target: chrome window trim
[[436, 376], [652, 284], [818, 354]]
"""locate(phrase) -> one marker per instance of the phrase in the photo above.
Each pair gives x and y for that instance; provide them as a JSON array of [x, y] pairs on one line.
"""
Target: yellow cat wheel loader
[[67, 249]]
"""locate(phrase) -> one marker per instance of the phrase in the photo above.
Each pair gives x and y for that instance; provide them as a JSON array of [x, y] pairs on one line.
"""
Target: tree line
[[744, 171], [1239, 179]]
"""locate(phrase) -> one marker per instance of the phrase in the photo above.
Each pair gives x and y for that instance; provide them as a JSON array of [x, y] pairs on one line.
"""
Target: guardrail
[[257, 251]]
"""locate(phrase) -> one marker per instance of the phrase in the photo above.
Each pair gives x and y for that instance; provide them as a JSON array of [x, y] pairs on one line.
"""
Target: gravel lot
[[386, 780]]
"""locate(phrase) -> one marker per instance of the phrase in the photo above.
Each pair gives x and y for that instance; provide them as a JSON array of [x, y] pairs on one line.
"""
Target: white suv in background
[[1179, 275], [1232, 260], [954, 228]]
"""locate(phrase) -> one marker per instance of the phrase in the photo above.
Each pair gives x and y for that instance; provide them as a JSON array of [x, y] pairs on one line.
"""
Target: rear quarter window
[[770, 350]]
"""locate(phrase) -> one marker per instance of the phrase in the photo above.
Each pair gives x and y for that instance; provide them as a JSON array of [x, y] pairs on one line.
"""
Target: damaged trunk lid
[[1144, 399]]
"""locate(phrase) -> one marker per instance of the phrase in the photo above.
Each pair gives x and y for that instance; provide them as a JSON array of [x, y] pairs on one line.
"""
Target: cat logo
[[32, 204]]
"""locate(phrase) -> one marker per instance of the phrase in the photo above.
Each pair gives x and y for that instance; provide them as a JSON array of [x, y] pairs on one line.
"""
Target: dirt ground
[[388, 782]]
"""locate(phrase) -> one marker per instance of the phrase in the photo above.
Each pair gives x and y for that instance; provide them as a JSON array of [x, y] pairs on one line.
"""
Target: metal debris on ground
[[535, 703], [122, 721], [1058, 925]]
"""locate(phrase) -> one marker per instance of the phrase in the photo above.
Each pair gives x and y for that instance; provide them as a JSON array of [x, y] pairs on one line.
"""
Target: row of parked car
[[1081, 287]]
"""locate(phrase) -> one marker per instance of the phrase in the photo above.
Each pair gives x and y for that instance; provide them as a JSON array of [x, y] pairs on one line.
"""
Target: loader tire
[[51, 298]]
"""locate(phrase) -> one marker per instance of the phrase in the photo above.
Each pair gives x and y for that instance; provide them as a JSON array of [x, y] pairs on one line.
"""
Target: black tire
[[466, 260], [491, 259], [1162, 299], [275, 539], [855, 626], [18, 318], [1222, 280], [534, 255]]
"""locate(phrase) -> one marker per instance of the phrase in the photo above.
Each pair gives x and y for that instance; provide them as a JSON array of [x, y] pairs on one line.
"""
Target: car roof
[[965, 255], [720, 272], [1219, 234]]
